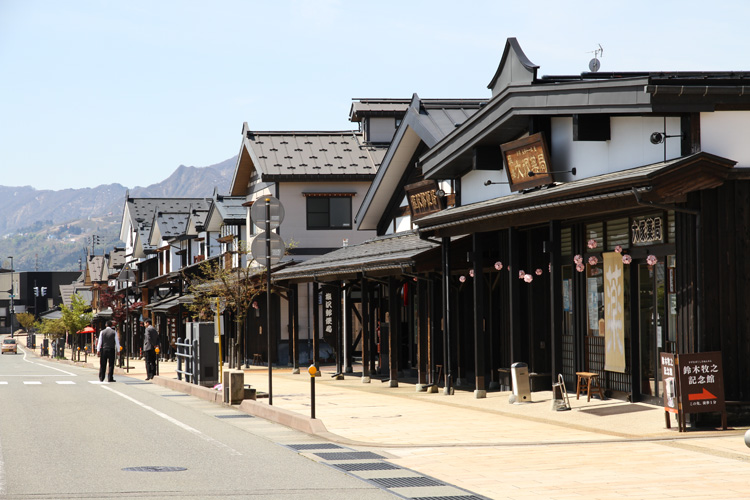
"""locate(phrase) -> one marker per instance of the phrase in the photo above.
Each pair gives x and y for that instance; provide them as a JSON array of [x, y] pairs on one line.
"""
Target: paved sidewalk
[[598, 450]]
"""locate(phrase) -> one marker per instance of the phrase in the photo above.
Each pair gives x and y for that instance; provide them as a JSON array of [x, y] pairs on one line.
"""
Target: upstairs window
[[329, 211]]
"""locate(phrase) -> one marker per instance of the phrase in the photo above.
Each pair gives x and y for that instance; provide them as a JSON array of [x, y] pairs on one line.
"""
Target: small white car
[[9, 345]]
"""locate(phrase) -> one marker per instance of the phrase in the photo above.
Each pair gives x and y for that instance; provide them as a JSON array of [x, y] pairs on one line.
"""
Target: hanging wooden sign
[[423, 198], [527, 162]]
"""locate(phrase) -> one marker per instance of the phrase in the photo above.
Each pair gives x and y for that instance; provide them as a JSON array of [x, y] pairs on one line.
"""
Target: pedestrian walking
[[107, 345], [150, 343]]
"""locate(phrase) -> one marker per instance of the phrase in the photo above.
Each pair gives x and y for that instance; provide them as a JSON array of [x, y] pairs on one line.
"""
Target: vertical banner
[[614, 313]]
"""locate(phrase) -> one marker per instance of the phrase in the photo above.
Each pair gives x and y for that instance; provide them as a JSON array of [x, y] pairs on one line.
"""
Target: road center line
[[176, 422]]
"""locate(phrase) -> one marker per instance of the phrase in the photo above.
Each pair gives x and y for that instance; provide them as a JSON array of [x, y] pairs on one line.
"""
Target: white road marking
[[176, 422], [47, 366], [32, 382], [65, 382], [4, 382], [97, 382]]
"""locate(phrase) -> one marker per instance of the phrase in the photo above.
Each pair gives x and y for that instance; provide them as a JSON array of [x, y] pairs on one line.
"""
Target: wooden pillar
[[479, 330], [294, 325], [366, 331], [446, 252], [347, 333], [555, 293], [395, 325], [514, 298], [423, 331]]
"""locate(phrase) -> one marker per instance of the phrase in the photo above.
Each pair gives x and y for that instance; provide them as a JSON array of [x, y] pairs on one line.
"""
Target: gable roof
[[141, 213], [225, 210], [426, 122], [304, 156]]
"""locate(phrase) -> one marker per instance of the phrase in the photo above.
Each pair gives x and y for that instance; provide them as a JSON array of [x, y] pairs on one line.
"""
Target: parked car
[[9, 345]]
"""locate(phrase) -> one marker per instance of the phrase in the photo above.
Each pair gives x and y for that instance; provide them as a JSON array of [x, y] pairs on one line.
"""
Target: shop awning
[[163, 306], [664, 182], [382, 255]]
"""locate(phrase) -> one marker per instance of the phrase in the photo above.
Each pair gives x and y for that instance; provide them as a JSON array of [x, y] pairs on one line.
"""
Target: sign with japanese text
[[331, 306], [172, 329], [670, 381], [527, 162], [423, 198], [701, 382]]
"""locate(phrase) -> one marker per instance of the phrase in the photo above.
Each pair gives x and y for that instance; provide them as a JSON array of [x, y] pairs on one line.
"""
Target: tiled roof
[[290, 155], [381, 253], [97, 268], [142, 211], [171, 224], [116, 258], [383, 107], [231, 208]]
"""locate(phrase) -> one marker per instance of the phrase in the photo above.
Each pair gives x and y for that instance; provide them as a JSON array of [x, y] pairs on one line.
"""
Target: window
[[324, 212]]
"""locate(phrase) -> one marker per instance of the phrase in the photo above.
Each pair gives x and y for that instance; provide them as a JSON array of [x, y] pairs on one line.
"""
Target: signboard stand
[[693, 383]]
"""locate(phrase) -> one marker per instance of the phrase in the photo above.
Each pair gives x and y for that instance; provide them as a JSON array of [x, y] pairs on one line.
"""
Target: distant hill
[[50, 230]]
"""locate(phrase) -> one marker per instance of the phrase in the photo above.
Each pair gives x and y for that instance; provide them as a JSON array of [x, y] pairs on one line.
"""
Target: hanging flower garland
[[498, 265], [618, 249], [627, 259], [592, 244], [593, 260], [462, 278], [580, 267], [471, 273], [528, 278], [651, 260], [538, 272], [521, 274]]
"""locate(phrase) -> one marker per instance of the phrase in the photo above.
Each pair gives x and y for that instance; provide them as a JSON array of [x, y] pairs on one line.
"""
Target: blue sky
[[98, 91]]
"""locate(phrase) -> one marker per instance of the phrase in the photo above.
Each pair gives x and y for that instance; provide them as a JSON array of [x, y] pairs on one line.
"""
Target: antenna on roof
[[594, 64]]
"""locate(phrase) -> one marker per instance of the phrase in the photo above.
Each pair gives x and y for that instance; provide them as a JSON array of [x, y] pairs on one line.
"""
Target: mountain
[[51, 230]]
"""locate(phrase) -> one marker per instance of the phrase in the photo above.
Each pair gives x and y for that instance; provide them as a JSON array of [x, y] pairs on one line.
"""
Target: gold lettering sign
[[527, 162], [423, 198]]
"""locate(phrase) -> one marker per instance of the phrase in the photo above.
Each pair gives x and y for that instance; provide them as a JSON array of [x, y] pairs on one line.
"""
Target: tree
[[237, 288], [52, 328], [76, 317], [26, 320]]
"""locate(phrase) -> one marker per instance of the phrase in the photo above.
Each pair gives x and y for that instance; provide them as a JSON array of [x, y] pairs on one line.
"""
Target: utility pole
[[12, 296]]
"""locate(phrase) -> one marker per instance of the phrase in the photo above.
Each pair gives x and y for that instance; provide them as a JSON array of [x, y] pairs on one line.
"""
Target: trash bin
[[519, 374]]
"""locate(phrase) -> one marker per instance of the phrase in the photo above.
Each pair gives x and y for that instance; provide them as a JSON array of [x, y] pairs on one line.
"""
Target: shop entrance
[[657, 319]]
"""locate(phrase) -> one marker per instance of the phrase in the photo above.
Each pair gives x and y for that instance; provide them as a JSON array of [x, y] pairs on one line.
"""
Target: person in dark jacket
[[108, 345], [150, 343]]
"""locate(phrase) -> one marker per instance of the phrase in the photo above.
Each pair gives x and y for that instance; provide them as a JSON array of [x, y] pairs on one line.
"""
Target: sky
[[101, 91]]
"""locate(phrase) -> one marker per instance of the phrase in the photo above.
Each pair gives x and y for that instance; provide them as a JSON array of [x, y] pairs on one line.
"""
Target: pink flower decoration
[[462, 278], [521, 274], [618, 249], [593, 261], [538, 272], [592, 244], [255, 304], [627, 259], [528, 278], [578, 259], [580, 267], [498, 265], [550, 267], [651, 260], [471, 273]]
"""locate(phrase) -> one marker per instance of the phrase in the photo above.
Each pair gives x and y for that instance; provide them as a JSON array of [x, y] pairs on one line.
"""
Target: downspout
[[699, 274]]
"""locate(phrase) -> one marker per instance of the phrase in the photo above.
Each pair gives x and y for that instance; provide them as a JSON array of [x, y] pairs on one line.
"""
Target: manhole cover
[[154, 468]]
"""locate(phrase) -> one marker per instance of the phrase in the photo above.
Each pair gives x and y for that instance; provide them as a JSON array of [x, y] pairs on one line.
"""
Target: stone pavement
[[598, 450]]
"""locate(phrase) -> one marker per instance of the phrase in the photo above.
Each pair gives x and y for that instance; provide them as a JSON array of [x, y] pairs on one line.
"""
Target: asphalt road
[[65, 435]]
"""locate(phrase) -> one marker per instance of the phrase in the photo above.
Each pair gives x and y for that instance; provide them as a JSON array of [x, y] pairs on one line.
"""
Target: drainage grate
[[154, 468], [367, 466], [350, 455], [452, 497], [321, 446], [234, 416], [406, 482]]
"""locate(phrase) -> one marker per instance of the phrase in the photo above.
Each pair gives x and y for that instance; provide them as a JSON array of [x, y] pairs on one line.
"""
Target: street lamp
[[12, 295], [126, 276]]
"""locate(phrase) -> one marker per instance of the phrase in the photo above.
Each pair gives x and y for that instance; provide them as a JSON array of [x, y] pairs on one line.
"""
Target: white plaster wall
[[725, 133], [403, 223], [629, 146], [473, 189], [381, 129], [294, 226]]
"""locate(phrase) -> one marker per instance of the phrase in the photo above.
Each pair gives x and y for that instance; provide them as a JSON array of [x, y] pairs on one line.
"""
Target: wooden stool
[[588, 381], [257, 359]]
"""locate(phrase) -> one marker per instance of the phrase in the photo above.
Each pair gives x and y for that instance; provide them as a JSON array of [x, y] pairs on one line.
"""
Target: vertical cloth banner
[[614, 313]]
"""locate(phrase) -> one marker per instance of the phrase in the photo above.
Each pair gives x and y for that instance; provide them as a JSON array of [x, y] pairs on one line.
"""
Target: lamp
[[571, 171], [489, 182], [661, 138], [126, 276]]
